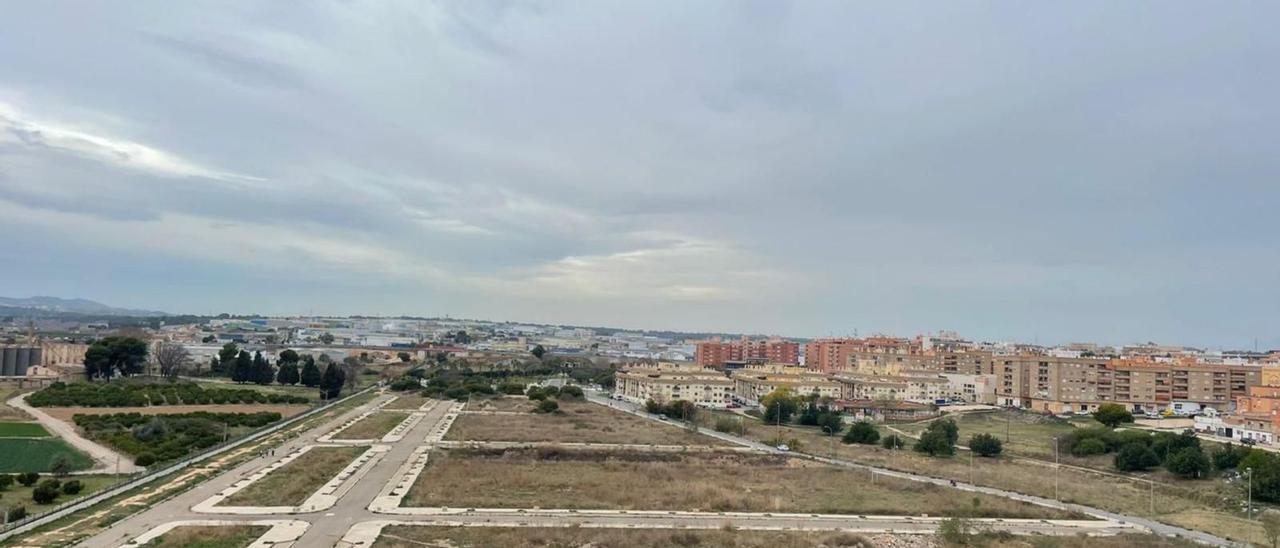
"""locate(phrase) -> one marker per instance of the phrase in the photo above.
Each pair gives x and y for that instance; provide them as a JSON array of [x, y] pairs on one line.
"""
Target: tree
[[227, 358], [861, 432], [5, 481], [242, 367], [288, 356], [779, 405], [934, 443], [331, 382], [172, 358], [571, 392], [111, 355], [209, 339], [830, 422], [61, 466], [1265, 467], [1188, 463], [1135, 457], [1088, 447], [949, 428], [538, 351], [1112, 414], [1271, 527], [287, 374], [72, 487], [892, 441], [351, 368], [651, 407], [1167, 444], [262, 373], [461, 337], [215, 368], [985, 445], [404, 356], [27, 479], [15, 513], [326, 338], [145, 459], [311, 375], [1228, 456], [46, 492]]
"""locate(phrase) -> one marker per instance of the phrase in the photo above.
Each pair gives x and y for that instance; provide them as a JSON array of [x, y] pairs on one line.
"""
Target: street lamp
[[831, 435], [1250, 511], [1055, 468]]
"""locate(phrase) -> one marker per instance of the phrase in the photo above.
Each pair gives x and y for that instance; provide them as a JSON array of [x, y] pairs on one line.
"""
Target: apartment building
[[666, 382], [1078, 385], [749, 386], [966, 363], [895, 388], [830, 355], [715, 353]]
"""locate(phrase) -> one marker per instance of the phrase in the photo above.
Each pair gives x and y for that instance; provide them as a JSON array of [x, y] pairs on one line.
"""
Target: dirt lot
[[373, 426], [410, 536], [65, 413], [634, 480], [577, 422], [293, 483], [407, 401], [519, 404]]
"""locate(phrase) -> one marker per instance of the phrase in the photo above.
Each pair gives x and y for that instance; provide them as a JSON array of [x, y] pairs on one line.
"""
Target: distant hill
[[56, 305]]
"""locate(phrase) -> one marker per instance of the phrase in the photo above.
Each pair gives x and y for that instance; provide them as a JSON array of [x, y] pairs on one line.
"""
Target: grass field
[[22, 430], [674, 481], [9, 413], [17, 494], [373, 426], [209, 536], [577, 422], [411, 536], [37, 455], [293, 483], [1028, 434]]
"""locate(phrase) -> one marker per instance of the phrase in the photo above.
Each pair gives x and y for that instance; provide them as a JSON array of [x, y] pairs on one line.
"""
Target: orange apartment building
[[829, 355], [715, 353]]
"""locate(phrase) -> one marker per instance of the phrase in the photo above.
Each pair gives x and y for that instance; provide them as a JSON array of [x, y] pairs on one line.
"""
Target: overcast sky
[[1013, 171]]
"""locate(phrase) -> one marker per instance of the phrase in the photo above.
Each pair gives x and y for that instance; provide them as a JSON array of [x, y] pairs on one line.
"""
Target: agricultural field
[[123, 394], [38, 455], [22, 430], [576, 422], [293, 483], [373, 426], [634, 480], [209, 536]]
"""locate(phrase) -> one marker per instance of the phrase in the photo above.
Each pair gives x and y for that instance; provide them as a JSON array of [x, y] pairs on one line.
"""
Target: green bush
[[46, 492], [145, 459], [571, 393], [142, 395], [405, 383], [1188, 463], [5, 481], [862, 432], [893, 441], [511, 388], [1136, 457], [547, 406], [72, 487], [27, 479], [16, 513], [985, 445], [730, 425], [1089, 447]]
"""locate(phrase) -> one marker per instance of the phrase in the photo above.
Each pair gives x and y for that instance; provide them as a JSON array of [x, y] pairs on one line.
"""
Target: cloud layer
[[1083, 171]]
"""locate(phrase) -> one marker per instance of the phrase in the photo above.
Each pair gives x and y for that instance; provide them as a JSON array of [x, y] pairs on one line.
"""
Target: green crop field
[[22, 430], [37, 455]]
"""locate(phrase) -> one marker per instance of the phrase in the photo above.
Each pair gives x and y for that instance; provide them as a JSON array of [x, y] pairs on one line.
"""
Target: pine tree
[[288, 374], [310, 373], [242, 370], [331, 383], [262, 371]]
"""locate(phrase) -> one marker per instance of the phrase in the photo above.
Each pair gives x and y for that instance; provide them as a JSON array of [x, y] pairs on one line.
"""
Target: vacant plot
[[633, 480], [293, 483], [209, 536], [67, 413], [517, 404], [22, 430], [1028, 434], [411, 536], [372, 427], [38, 455], [577, 422], [408, 401], [9, 413]]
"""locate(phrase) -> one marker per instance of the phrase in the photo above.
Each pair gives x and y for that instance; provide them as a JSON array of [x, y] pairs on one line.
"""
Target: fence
[[142, 478]]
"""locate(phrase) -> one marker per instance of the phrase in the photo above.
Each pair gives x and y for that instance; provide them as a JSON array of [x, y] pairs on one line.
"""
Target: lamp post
[[1055, 468], [1250, 511], [831, 435]]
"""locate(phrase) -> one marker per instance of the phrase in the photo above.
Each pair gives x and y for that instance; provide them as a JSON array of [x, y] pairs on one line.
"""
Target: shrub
[[5, 481], [1227, 457], [893, 441], [27, 479], [862, 432], [985, 445], [16, 513], [61, 466], [1188, 463], [730, 425], [1089, 447], [405, 383], [652, 407], [1136, 457], [571, 393], [547, 406], [511, 388], [536, 393], [72, 487], [1112, 414], [46, 492], [145, 459]]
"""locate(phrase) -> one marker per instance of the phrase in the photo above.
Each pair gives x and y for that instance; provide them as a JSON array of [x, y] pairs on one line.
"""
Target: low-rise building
[[665, 382], [752, 385]]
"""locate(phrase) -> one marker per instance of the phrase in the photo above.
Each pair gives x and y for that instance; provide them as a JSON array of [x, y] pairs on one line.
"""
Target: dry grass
[[293, 483], [9, 413], [1080, 541], [1207, 505], [408, 401], [372, 427], [1028, 433], [209, 536], [633, 480], [411, 536], [577, 422], [519, 404]]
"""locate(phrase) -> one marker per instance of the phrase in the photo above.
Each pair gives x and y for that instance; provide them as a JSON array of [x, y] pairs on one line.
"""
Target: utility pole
[[1152, 481], [1250, 472], [1055, 468], [971, 466]]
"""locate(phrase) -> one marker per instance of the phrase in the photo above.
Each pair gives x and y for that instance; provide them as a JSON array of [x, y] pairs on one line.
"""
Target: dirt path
[[106, 461]]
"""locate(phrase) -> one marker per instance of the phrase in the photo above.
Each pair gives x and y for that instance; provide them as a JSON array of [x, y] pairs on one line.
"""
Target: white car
[[783, 447]]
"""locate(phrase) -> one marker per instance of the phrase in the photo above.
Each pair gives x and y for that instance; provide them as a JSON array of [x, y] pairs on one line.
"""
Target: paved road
[[1154, 526], [105, 460], [350, 516]]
